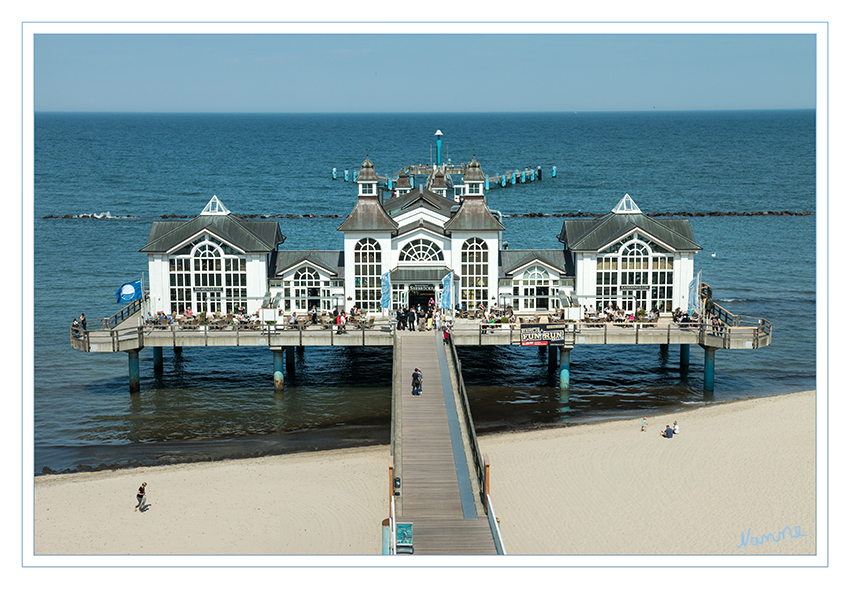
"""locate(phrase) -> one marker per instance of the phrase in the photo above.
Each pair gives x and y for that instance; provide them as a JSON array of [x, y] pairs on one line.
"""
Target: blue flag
[[129, 292], [385, 290], [446, 299]]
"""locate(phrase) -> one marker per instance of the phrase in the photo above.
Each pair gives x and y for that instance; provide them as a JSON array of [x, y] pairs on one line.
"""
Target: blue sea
[[209, 404]]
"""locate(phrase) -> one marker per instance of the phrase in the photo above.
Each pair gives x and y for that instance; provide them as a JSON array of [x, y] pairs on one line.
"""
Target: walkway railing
[[754, 329], [480, 461]]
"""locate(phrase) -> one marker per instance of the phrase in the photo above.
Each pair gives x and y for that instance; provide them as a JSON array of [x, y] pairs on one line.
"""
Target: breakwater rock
[[530, 215], [677, 214]]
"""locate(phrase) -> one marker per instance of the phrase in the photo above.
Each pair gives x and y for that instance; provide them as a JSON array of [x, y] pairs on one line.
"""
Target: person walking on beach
[[416, 382], [140, 497], [643, 424]]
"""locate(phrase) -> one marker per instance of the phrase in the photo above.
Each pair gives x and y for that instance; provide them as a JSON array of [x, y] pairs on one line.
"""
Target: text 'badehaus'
[[219, 262]]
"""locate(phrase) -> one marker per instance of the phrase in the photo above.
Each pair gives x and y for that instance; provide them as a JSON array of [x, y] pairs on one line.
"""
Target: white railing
[[494, 527]]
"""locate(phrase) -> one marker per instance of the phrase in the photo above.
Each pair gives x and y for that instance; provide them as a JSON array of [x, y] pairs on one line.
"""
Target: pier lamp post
[[439, 135]]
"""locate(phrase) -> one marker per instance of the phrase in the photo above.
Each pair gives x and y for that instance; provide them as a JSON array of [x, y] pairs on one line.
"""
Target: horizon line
[[223, 112]]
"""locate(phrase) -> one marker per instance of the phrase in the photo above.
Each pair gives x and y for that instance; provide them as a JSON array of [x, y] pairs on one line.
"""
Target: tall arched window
[[421, 250], [624, 277], [306, 284], [475, 268], [207, 276], [367, 274]]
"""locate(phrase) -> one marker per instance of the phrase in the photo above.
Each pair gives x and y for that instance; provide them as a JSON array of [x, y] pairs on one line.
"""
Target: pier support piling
[[133, 362], [565, 368], [278, 368], [684, 356], [553, 357], [708, 377], [157, 359], [290, 359]]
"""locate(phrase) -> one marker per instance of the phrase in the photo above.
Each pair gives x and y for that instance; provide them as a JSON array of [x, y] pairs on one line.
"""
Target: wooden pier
[[432, 454]]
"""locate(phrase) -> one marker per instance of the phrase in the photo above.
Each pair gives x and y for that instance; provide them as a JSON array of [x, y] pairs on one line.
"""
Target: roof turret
[[473, 172], [367, 172]]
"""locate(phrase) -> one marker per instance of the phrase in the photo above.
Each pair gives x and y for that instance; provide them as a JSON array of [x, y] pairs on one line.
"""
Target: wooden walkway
[[437, 496]]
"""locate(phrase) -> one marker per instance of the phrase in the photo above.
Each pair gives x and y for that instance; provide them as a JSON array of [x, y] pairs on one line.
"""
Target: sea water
[[209, 403]]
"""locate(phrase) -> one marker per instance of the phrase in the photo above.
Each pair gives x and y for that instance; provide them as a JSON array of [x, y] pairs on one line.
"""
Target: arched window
[[421, 250], [306, 284], [534, 290], [207, 276], [367, 274], [475, 268], [625, 279]]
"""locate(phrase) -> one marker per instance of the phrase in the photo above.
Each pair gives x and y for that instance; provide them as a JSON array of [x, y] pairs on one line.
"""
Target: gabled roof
[[420, 224], [473, 215], [254, 236], [510, 261], [368, 215], [419, 197], [331, 261], [594, 235]]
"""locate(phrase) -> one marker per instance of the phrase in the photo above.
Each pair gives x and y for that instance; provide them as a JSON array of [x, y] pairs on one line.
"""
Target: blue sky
[[422, 72]]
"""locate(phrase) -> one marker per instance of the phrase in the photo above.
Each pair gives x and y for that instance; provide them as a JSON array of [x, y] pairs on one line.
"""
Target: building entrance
[[420, 297]]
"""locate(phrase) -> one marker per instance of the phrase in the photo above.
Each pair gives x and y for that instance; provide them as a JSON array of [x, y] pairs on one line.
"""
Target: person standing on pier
[[83, 321], [416, 382], [411, 319]]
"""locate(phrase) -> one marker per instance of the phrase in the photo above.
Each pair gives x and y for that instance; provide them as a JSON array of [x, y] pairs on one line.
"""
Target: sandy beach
[[735, 473], [745, 467]]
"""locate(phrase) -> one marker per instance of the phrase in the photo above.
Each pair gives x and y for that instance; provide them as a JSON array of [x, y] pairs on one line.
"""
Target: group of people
[[614, 314], [412, 318], [78, 324], [669, 432], [684, 318]]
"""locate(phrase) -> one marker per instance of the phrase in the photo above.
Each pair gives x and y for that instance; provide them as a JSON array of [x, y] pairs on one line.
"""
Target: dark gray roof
[[595, 234], [419, 274], [421, 223], [368, 215], [247, 235], [439, 180], [403, 180], [419, 197], [473, 172], [332, 261], [473, 215], [511, 260], [367, 172]]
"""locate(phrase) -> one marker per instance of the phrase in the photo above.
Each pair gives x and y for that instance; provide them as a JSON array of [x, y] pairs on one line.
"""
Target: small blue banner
[[385, 290], [130, 291], [446, 298]]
